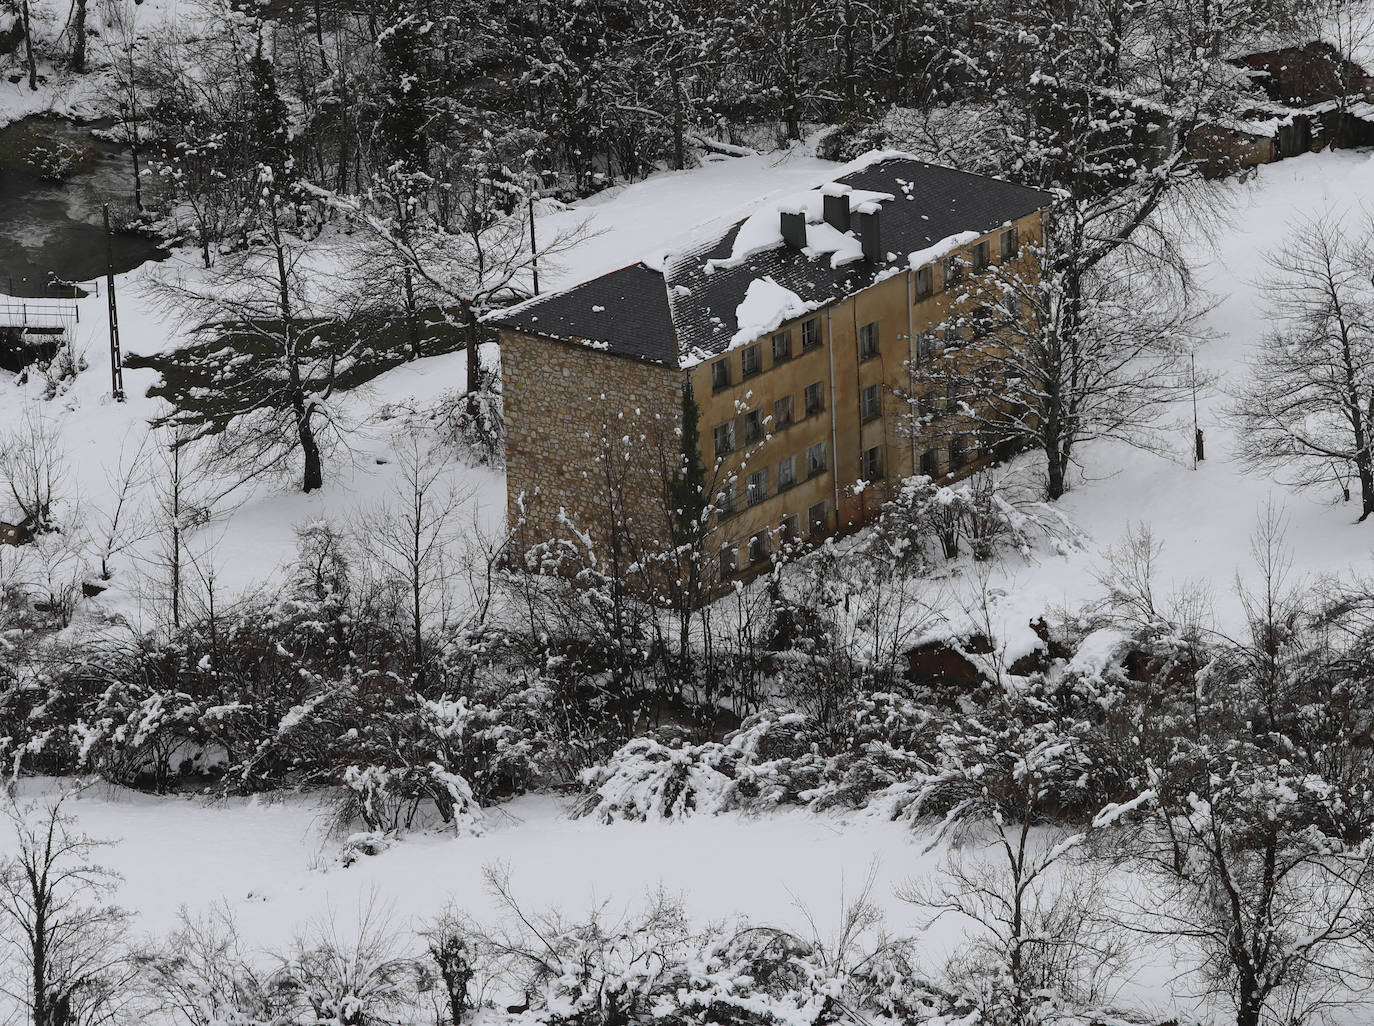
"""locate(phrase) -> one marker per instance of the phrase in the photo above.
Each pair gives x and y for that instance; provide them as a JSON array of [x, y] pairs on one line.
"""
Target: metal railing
[[39, 316]]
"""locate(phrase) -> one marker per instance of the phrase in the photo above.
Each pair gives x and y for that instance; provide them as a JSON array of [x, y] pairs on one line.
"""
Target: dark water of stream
[[53, 231]]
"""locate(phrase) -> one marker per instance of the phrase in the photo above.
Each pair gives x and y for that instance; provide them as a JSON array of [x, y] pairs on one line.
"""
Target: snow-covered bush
[[759, 764]]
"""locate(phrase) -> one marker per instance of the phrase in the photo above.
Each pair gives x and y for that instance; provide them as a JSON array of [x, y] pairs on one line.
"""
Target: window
[[729, 560], [816, 519], [787, 472], [753, 426], [782, 412], [782, 346], [757, 486], [720, 374], [1010, 243], [813, 399], [954, 336], [751, 361], [924, 282], [1012, 304], [724, 436], [925, 406], [811, 333], [957, 445], [870, 403], [925, 345], [928, 467], [952, 391], [815, 460], [725, 499], [872, 469], [758, 547], [868, 341], [981, 256], [954, 271], [790, 527]]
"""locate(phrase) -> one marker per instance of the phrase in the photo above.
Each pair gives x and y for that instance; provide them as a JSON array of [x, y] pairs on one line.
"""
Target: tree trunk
[[28, 45], [313, 477], [79, 37], [679, 142], [1058, 484], [474, 363], [1365, 468]]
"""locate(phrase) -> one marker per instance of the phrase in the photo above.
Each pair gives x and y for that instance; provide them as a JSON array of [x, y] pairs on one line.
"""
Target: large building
[[808, 335]]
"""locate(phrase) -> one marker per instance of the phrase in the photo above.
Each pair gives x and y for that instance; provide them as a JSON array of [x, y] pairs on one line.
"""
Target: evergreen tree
[[268, 139], [687, 491]]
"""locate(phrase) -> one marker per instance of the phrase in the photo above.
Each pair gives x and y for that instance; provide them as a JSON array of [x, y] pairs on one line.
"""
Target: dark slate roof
[[687, 313], [624, 312]]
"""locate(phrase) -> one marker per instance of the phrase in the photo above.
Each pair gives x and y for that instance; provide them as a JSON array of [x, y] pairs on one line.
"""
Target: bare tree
[[1306, 413], [358, 980], [119, 525], [59, 929], [280, 330], [1053, 358], [1034, 932], [34, 468], [411, 539], [201, 976]]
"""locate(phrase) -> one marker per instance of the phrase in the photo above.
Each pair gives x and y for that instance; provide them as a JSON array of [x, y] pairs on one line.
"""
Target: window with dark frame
[[815, 460], [729, 560], [872, 469], [787, 472], [758, 547], [928, 464], [751, 361], [725, 499], [952, 394], [868, 341], [724, 438], [782, 346], [756, 487], [925, 406], [1012, 304], [720, 374], [925, 345], [817, 520], [811, 333], [813, 399], [957, 446], [925, 282], [870, 402], [1010, 243], [954, 270], [782, 412], [790, 527], [982, 255], [954, 335], [753, 426]]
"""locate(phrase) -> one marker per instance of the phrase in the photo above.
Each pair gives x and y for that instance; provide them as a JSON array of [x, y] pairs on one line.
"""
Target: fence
[[39, 316]]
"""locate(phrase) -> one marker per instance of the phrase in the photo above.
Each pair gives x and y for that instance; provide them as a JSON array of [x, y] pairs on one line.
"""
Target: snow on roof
[[762, 230], [683, 304], [766, 305]]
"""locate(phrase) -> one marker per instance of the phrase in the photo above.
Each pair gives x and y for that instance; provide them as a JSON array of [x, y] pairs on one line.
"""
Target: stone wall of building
[[590, 441]]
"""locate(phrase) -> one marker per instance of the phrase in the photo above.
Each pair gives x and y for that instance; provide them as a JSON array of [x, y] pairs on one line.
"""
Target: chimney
[[869, 236], [835, 203], [793, 224]]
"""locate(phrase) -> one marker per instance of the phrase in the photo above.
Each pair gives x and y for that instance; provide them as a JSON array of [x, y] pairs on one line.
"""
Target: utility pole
[[1198, 455], [116, 361]]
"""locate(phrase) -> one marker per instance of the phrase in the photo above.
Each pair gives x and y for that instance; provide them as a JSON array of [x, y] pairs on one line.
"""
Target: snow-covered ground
[[272, 862], [276, 869]]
